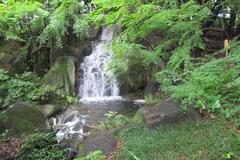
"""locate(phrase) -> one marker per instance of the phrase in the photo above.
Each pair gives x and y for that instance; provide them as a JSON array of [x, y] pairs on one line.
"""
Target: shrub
[[27, 87], [41, 146], [17, 87]]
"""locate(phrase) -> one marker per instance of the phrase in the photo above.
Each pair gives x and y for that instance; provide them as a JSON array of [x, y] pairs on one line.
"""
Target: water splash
[[96, 81]]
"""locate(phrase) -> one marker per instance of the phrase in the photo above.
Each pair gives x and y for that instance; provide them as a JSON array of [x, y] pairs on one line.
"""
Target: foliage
[[81, 26], [202, 140], [17, 87], [46, 21], [41, 146], [4, 136], [97, 155], [139, 26], [49, 94], [27, 87], [18, 17], [114, 120], [208, 81], [209, 86], [151, 99], [58, 21]]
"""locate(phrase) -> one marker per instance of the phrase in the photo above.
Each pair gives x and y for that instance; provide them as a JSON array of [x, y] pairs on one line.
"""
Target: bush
[[17, 87], [27, 87], [49, 94], [212, 86], [41, 146]]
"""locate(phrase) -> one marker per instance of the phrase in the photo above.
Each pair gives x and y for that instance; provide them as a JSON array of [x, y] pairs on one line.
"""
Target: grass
[[206, 140]]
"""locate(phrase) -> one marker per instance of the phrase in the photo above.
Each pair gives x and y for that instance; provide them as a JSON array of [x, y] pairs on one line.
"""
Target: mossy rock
[[50, 110], [62, 75], [22, 118], [134, 80]]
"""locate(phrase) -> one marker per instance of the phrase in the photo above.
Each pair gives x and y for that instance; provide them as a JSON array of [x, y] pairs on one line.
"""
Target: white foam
[[99, 99], [139, 102]]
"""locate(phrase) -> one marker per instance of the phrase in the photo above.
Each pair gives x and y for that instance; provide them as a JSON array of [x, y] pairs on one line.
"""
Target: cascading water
[[96, 81], [98, 93]]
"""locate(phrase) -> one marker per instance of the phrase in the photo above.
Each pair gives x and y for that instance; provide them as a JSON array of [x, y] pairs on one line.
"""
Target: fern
[[208, 83], [58, 21], [19, 17]]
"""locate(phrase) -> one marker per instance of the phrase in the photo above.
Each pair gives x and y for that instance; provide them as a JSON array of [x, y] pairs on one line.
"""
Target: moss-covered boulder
[[50, 110], [62, 75], [133, 80], [22, 118]]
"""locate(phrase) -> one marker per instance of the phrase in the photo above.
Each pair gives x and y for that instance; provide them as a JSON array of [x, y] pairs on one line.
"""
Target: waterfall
[[96, 80]]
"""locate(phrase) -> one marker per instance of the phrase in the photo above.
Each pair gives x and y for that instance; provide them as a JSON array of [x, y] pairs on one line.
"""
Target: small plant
[[114, 119], [151, 99], [229, 155], [41, 146], [48, 94], [96, 155], [5, 135]]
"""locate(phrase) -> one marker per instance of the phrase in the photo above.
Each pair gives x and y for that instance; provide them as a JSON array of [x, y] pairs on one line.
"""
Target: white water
[[97, 81]]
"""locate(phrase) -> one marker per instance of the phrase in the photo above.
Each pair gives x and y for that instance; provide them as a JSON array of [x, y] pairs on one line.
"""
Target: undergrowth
[[28, 87], [41, 146]]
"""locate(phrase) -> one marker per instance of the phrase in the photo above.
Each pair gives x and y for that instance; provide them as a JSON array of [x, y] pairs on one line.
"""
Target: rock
[[2, 56], [93, 32], [103, 141], [167, 112], [133, 80], [3, 94], [50, 110], [19, 65], [41, 60], [151, 88], [22, 118], [76, 124], [71, 128], [71, 153], [62, 75]]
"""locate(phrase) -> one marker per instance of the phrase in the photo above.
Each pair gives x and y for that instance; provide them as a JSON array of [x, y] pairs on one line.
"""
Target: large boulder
[[133, 80], [100, 141], [167, 112], [62, 75], [93, 32], [50, 110], [19, 65], [22, 118], [40, 56], [151, 88]]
